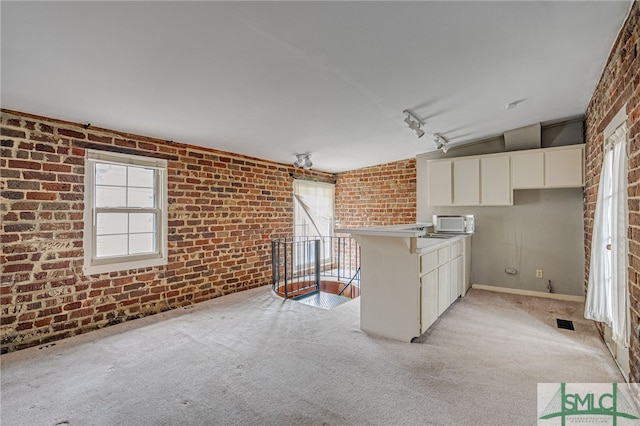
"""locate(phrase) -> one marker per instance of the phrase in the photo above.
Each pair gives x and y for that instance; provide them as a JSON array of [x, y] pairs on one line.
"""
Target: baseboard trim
[[556, 296]]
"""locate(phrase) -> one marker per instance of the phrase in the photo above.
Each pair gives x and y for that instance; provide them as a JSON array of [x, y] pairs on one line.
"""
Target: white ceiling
[[272, 79]]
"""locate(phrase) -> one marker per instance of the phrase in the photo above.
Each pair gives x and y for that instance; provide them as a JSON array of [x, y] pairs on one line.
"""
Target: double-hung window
[[125, 219]]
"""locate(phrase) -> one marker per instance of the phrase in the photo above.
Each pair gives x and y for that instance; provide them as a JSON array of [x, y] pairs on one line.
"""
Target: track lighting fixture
[[441, 142], [303, 161], [414, 123]]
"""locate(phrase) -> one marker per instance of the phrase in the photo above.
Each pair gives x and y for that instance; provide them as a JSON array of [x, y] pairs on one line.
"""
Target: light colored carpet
[[252, 358]]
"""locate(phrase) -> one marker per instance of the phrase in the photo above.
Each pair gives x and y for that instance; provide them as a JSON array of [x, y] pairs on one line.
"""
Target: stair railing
[[299, 264]]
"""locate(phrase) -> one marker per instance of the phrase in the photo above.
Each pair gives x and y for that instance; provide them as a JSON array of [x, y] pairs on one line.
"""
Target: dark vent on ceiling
[[566, 324]]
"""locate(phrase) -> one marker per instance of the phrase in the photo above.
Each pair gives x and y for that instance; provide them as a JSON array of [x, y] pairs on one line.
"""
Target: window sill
[[123, 265]]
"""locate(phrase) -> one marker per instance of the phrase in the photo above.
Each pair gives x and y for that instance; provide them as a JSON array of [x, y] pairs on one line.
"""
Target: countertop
[[406, 230], [414, 232]]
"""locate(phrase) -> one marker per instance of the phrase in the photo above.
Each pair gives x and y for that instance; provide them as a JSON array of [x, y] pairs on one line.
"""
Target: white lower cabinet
[[457, 270], [442, 281], [444, 288], [405, 288], [428, 300], [457, 278]]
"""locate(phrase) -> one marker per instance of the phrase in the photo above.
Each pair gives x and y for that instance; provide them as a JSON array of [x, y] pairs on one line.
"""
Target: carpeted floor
[[251, 358]]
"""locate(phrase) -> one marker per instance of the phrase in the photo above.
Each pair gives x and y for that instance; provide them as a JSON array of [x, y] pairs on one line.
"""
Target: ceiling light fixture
[[414, 123], [441, 142], [303, 161]]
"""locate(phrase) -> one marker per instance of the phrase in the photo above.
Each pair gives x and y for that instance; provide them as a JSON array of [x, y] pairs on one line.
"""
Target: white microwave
[[456, 224]]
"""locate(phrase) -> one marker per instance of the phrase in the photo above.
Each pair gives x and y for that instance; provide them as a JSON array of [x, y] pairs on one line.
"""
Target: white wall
[[542, 230]]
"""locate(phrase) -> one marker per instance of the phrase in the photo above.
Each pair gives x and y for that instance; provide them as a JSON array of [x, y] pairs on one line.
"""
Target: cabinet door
[[466, 182], [428, 300], [439, 182], [563, 167], [466, 266], [453, 281], [495, 181], [457, 278], [527, 170], [444, 288]]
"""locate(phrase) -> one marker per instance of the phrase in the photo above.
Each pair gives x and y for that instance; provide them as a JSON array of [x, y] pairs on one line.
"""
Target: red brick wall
[[223, 208], [619, 84], [378, 195]]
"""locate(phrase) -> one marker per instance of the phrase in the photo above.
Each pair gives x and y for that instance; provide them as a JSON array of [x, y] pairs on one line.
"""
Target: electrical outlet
[[538, 273]]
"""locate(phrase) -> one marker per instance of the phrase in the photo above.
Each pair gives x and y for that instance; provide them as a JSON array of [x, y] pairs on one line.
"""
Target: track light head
[[414, 123], [303, 161], [307, 164], [440, 142]]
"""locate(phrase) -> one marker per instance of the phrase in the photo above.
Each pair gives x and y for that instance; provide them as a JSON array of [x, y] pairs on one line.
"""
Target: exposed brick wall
[[619, 84], [223, 210], [378, 195]]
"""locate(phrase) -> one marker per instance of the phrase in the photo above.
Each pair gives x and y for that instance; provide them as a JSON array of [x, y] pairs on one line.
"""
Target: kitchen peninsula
[[409, 277]]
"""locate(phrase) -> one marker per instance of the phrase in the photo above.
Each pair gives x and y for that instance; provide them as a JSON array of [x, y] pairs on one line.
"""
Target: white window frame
[[619, 350], [93, 264]]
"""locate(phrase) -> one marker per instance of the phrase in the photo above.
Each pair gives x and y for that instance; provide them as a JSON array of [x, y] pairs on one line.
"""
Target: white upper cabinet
[[439, 183], [489, 180], [527, 170], [495, 173], [560, 167], [466, 181], [563, 167]]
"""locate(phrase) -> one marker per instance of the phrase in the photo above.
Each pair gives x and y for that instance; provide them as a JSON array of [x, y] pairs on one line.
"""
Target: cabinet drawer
[[443, 255], [428, 261], [456, 249]]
